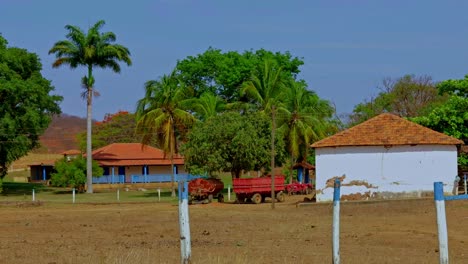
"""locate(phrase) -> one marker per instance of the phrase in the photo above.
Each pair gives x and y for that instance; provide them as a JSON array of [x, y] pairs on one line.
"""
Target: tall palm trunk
[[291, 170], [89, 158], [172, 146]]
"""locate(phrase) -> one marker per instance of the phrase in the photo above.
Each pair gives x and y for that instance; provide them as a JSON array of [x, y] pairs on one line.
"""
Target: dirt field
[[371, 232]]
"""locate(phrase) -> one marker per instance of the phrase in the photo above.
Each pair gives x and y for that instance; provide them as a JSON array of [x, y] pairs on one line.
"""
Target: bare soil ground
[[402, 231]]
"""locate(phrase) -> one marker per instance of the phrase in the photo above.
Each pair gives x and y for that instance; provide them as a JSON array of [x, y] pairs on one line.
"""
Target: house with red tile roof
[[134, 163], [385, 157]]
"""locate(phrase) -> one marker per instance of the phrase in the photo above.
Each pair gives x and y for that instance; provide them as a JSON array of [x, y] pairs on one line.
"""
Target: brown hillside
[[61, 134]]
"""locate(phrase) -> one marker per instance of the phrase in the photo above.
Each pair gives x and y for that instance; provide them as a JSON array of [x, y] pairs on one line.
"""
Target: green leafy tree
[[91, 49], [73, 173], [450, 118], [27, 104], [161, 116], [231, 142], [222, 73], [408, 96], [454, 87]]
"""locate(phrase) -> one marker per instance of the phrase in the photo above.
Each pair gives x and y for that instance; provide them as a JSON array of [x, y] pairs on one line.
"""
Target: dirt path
[[371, 232]]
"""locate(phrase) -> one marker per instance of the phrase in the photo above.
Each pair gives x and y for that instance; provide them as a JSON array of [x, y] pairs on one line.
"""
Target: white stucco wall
[[399, 169]]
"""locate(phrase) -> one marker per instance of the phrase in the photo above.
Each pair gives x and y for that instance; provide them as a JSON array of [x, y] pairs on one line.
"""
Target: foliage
[[206, 106], [450, 118], [91, 49], [73, 173], [231, 142], [408, 96], [304, 119], [454, 87], [266, 87], [223, 73], [26, 103], [115, 128], [161, 117]]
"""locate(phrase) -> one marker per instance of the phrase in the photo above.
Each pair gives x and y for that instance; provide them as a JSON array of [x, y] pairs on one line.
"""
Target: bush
[[73, 173]]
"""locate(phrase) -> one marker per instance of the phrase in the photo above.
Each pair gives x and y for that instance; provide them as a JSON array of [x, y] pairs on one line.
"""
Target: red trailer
[[299, 188], [257, 189], [205, 190]]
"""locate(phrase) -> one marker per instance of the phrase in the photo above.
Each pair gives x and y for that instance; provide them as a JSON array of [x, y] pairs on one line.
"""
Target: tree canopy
[[222, 73], [407, 96], [231, 142], [27, 103], [455, 87], [451, 118]]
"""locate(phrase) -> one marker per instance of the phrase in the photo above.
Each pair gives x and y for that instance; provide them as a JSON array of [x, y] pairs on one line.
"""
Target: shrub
[[73, 173]]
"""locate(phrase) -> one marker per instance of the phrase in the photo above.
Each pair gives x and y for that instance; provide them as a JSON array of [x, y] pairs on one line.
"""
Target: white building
[[385, 157]]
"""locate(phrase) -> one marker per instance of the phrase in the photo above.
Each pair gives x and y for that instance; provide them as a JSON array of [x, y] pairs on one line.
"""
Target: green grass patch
[[20, 192]]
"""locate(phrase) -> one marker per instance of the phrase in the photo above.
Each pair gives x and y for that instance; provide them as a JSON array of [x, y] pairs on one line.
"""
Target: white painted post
[[336, 222], [229, 192], [33, 195], [118, 195], [159, 194], [441, 222], [184, 223], [73, 195]]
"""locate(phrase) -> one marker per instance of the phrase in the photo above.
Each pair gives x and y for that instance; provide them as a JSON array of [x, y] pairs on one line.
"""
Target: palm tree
[[160, 115], [265, 91], [302, 121], [91, 49], [206, 106]]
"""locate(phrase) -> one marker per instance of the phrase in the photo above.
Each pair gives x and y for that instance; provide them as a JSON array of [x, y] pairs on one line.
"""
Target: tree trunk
[[89, 154], [172, 176], [172, 146], [291, 170]]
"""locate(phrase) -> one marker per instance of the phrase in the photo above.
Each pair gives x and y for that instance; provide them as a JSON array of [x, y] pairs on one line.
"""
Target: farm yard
[[402, 231]]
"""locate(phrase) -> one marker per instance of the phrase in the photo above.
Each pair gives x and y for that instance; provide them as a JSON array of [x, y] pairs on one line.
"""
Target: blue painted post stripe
[[438, 191], [336, 193]]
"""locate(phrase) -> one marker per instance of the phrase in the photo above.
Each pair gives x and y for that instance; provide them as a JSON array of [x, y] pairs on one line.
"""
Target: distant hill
[[61, 134]]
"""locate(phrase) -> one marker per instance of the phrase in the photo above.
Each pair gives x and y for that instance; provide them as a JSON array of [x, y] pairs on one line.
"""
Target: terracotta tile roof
[[387, 129], [128, 154]]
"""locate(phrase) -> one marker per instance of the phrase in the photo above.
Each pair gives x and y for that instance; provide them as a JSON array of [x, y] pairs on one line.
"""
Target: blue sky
[[348, 46]]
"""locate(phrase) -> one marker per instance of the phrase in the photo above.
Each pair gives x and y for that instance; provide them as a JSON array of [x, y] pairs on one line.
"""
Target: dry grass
[[371, 232]]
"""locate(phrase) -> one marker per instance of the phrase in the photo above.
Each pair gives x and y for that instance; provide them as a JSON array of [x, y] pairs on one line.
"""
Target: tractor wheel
[[220, 198], [256, 198], [280, 197]]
